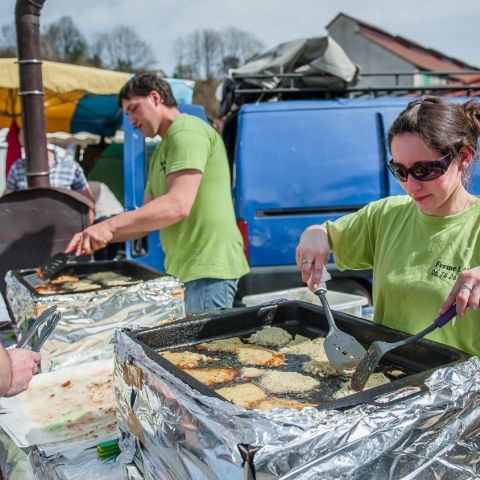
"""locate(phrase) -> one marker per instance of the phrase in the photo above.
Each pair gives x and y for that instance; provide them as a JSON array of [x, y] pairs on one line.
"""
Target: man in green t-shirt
[[187, 198]]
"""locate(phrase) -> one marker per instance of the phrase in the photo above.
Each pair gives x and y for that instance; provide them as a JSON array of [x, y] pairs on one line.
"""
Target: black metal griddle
[[29, 278], [418, 360]]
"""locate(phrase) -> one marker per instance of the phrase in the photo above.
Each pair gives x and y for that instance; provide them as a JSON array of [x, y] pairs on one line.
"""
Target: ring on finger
[[466, 287], [305, 262]]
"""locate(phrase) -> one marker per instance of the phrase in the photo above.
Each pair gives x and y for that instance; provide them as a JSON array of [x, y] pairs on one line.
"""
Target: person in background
[[17, 366], [64, 172], [187, 198], [424, 247]]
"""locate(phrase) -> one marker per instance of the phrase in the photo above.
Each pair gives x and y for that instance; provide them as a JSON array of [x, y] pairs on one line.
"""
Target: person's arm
[[157, 213], [162, 211], [17, 368], [80, 183], [5, 371]]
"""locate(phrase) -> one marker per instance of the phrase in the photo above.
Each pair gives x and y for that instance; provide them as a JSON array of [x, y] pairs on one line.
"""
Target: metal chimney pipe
[[27, 19]]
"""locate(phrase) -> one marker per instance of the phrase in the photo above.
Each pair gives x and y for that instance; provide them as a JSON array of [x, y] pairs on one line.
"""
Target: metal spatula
[[378, 349], [343, 351], [41, 329], [55, 264]]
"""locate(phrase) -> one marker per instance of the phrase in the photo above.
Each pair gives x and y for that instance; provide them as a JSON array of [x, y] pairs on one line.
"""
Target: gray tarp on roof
[[317, 62], [321, 61]]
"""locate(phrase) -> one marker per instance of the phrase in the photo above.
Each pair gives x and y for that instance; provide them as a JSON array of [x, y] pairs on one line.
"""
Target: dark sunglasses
[[424, 171]]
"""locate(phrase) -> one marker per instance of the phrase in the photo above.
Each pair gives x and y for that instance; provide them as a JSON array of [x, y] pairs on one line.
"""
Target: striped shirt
[[64, 173]]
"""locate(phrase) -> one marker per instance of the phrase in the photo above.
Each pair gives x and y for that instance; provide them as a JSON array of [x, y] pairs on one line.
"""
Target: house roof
[[419, 56]]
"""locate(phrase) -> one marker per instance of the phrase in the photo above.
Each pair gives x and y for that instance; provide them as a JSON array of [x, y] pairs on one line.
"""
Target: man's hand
[[91, 239], [24, 364]]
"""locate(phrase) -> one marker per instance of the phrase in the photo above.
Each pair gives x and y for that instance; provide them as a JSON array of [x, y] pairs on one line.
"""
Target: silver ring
[[466, 287], [307, 261]]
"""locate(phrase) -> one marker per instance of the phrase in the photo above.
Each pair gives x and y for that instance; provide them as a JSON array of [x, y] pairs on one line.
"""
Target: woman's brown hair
[[442, 125]]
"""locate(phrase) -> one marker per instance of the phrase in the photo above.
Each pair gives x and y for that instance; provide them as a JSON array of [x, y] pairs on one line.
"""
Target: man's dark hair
[[142, 84]]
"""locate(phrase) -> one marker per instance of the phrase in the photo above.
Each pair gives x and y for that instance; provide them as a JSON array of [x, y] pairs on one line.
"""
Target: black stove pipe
[[27, 19]]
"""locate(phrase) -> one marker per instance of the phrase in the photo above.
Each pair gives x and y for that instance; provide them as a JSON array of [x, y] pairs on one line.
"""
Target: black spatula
[[378, 349], [56, 264]]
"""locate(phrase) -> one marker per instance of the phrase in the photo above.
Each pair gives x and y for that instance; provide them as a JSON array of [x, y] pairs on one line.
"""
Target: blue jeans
[[209, 293]]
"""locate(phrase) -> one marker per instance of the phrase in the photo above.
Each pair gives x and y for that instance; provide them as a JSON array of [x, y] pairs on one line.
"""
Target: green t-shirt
[[206, 244], [416, 259]]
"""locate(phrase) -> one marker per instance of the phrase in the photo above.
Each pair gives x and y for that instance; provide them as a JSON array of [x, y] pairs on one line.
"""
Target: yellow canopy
[[64, 85], [64, 77]]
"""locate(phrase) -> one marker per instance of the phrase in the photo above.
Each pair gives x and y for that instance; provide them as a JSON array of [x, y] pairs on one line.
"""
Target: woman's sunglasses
[[424, 171]]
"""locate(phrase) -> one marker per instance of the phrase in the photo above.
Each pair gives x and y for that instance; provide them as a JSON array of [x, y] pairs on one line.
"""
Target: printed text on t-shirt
[[448, 272]]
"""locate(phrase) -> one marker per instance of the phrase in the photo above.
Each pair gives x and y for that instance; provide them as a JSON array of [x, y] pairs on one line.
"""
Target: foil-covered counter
[[430, 433], [89, 319]]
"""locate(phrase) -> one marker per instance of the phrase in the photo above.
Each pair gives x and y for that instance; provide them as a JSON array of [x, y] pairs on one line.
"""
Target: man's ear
[[157, 99]]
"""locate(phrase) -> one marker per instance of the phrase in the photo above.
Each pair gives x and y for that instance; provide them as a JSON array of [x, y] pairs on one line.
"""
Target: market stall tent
[[77, 98]]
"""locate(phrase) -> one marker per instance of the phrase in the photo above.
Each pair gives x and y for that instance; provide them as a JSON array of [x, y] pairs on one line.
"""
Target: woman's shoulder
[[393, 202], [390, 208]]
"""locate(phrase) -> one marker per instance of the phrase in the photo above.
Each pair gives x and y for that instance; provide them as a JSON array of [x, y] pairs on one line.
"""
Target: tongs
[[343, 351], [378, 349], [40, 330], [56, 264]]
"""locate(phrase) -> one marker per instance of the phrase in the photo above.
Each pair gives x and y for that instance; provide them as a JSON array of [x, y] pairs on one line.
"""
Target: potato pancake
[[63, 278], [186, 359], [251, 355], [213, 375], [245, 395], [270, 337], [287, 382], [273, 402]]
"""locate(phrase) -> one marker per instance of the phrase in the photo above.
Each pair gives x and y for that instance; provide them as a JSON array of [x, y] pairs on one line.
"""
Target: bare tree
[[183, 69], [8, 41], [123, 49], [63, 41], [206, 54], [238, 47]]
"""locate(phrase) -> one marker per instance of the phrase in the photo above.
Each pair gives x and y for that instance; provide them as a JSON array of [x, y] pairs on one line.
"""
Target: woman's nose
[[412, 185]]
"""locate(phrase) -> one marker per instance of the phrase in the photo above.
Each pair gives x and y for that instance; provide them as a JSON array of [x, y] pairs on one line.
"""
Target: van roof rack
[[292, 85]]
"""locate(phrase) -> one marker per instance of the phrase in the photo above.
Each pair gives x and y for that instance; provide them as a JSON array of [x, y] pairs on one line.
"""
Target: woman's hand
[[466, 292], [312, 255]]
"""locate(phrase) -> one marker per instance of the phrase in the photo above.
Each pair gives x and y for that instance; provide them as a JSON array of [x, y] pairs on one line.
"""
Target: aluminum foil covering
[[14, 461], [86, 466], [26, 305], [180, 434], [89, 319]]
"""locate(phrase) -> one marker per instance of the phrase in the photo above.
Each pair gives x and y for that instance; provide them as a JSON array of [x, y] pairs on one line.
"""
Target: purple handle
[[446, 317]]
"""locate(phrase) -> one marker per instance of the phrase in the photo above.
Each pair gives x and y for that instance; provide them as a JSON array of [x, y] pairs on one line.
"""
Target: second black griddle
[[417, 361]]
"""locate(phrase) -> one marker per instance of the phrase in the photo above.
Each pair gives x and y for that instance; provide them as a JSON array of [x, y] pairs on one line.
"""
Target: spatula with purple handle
[[378, 349]]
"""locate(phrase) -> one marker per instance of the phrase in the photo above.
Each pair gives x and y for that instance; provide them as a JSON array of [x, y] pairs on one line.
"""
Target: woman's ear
[[465, 155]]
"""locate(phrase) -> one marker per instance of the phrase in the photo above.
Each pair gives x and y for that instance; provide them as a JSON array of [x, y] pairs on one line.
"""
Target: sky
[[445, 25]]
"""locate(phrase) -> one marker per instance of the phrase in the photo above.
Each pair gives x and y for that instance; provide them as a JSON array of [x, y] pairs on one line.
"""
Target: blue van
[[296, 163]]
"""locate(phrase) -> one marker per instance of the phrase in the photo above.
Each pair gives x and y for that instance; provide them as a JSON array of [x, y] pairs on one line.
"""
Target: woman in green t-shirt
[[424, 247]]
